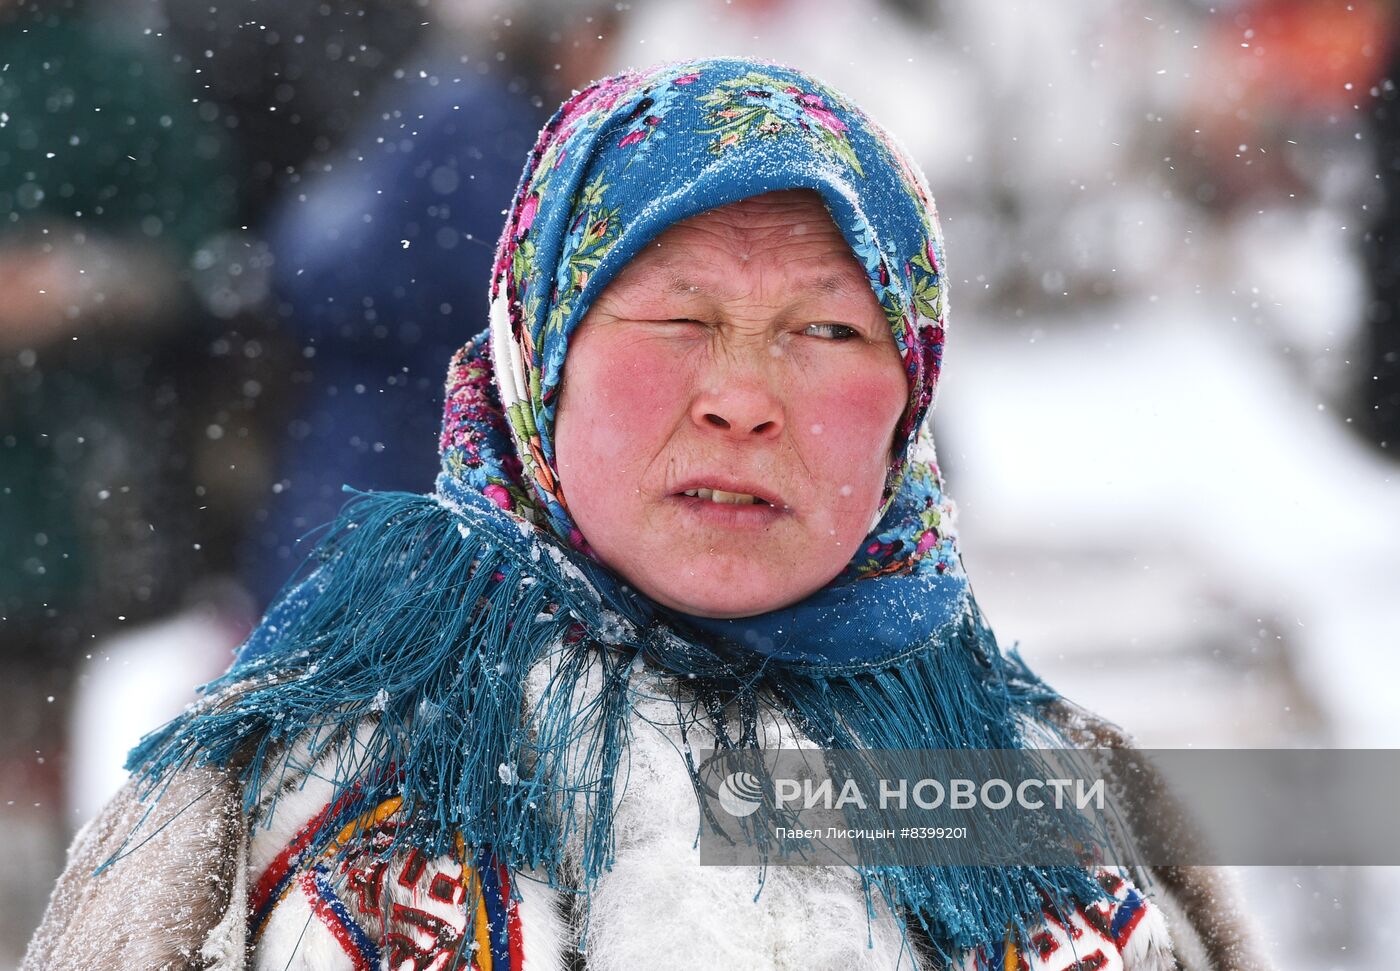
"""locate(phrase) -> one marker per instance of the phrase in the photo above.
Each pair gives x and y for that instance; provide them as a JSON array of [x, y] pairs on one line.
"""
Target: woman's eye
[[840, 332]]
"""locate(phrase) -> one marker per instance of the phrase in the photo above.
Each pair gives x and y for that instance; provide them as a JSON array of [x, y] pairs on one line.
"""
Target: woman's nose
[[739, 402]]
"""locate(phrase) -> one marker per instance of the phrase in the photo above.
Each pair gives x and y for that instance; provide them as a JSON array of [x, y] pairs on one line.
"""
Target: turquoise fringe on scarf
[[425, 618]]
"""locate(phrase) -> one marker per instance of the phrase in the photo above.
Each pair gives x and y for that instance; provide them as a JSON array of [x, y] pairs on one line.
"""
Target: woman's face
[[743, 352]]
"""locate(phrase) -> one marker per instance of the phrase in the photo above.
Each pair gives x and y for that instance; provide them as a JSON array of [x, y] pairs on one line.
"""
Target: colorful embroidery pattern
[[453, 913], [1094, 938], [584, 207]]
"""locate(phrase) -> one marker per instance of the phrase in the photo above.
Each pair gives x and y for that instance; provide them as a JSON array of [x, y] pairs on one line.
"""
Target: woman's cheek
[[848, 422], [845, 420], [627, 419]]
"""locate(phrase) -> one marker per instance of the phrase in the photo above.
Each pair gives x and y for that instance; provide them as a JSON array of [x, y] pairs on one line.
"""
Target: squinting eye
[[838, 332]]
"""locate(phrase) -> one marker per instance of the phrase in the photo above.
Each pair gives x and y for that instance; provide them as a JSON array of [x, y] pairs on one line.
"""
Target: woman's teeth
[[719, 495]]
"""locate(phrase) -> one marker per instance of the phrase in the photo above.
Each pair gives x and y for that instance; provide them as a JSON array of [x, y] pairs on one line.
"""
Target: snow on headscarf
[[424, 613]]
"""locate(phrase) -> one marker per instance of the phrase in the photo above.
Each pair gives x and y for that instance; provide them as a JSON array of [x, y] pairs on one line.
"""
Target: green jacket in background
[[100, 143]]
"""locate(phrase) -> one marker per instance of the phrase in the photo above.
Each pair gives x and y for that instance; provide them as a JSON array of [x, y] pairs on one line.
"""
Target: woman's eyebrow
[[675, 283], [672, 284], [841, 284]]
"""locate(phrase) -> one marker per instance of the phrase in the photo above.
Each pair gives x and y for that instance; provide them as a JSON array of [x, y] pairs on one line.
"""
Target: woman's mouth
[[726, 498], [729, 509]]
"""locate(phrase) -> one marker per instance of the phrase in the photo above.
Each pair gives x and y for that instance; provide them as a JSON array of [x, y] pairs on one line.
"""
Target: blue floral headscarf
[[619, 163], [422, 614], [635, 153]]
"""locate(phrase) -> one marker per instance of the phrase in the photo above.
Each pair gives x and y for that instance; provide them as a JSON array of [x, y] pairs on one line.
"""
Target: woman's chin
[[709, 596], [721, 577]]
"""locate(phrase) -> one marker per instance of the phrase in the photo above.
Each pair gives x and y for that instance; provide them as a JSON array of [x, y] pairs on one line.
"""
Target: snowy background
[[1154, 411]]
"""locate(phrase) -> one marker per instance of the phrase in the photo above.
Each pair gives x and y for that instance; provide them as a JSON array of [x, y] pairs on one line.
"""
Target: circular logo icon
[[740, 793]]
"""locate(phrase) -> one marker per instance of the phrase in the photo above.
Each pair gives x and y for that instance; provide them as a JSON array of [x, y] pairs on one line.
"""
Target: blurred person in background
[[1279, 75], [1272, 143], [286, 81], [290, 79], [384, 248], [276, 84], [109, 184], [1378, 384]]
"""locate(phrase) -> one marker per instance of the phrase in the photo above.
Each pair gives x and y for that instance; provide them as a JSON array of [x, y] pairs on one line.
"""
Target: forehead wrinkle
[[677, 282]]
